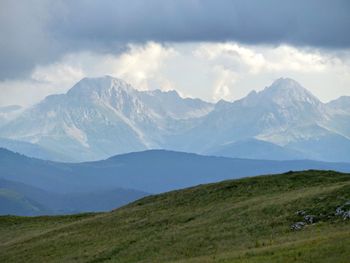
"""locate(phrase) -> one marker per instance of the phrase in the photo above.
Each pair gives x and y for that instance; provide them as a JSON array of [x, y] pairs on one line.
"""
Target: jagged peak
[[284, 92], [286, 81], [286, 85], [99, 85], [288, 89]]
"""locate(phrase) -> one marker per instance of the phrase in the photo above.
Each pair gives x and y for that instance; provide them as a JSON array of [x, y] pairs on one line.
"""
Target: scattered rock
[[310, 219], [346, 215], [301, 213], [297, 226], [342, 211], [339, 211]]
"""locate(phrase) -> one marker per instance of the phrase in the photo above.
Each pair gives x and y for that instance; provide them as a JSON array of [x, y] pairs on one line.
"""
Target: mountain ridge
[[102, 117]]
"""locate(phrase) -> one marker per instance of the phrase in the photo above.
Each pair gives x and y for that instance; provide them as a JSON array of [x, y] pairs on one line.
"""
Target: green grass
[[246, 220]]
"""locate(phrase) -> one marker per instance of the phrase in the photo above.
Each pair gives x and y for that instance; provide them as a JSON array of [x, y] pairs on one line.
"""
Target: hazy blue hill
[[151, 171], [98, 201], [157, 171], [21, 199], [31, 150], [15, 203], [338, 147], [63, 188], [46, 202], [256, 149], [34, 172]]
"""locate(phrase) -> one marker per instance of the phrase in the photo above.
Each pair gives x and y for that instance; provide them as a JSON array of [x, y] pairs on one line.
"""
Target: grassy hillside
[[246, 220]]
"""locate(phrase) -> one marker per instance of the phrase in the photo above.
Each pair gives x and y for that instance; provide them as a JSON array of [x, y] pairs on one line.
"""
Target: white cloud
[[293, 59], [233, 55], [223, 84], [211, 71], [261, 59], [249, 65], [140, 65], [58, 74]]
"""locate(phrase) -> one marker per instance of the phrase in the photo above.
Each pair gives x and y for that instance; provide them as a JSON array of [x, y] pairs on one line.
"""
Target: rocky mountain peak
[[100, 86]]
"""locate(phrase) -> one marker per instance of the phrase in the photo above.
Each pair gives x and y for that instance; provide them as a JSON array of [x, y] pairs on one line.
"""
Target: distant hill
[[151, 171], [38, 187], [32, 150], [15, 203], [256, 149], [291, 217], [21, 199]]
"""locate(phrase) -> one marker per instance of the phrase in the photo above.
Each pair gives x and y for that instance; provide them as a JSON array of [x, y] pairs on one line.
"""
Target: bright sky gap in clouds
[[207, 49]]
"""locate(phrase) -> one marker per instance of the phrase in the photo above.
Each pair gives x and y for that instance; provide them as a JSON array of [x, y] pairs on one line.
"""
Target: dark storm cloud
[[39, 31]]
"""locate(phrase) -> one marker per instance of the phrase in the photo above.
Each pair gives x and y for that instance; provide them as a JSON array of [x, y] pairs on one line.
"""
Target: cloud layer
[[38, 32], [207, 70]]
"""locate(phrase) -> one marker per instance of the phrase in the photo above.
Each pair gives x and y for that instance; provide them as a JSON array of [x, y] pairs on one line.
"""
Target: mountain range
[[101, 117]]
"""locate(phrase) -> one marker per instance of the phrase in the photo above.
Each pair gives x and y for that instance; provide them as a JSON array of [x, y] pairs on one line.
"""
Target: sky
[[218, 49]]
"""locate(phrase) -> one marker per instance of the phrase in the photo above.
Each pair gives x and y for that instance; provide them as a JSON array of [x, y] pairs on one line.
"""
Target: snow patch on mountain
[[76, 134]]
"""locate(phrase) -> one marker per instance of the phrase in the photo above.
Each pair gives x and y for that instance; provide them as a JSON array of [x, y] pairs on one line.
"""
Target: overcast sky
[[208, 49]]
